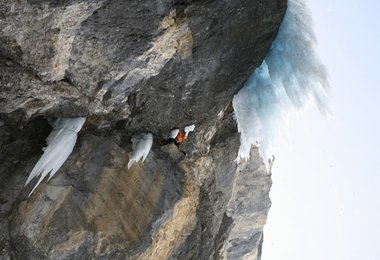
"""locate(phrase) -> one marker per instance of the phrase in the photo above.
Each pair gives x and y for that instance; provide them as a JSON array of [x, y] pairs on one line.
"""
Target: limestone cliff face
[[131, 66]]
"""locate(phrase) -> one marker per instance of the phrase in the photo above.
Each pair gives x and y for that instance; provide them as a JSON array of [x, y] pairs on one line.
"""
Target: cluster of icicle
[[60, 144], [290, 76]]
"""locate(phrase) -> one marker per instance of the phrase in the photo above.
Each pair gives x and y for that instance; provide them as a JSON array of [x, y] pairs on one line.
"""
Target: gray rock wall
[[131, 66]]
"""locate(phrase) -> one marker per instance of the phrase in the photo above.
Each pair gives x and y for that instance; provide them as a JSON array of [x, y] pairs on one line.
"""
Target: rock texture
[[129, 67]]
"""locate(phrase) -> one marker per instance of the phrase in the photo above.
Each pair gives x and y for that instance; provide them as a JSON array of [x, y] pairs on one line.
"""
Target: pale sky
[[326, 182]]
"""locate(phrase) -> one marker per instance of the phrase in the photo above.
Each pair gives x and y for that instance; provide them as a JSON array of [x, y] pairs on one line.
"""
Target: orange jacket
[[181, 136]]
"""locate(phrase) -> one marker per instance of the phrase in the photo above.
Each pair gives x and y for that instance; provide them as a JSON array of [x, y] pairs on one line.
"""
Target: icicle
[[290, 76], [60, 144], [141, 145]]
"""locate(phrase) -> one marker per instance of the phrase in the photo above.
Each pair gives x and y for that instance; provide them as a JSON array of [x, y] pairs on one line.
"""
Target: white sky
[[326, 183]]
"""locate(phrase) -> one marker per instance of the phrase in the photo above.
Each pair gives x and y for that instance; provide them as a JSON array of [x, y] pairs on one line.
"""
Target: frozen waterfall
[[290, 76], [60, 144]]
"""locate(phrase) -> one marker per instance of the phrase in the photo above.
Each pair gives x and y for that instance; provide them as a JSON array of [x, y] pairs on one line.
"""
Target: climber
[[180, 137], [177, 136]]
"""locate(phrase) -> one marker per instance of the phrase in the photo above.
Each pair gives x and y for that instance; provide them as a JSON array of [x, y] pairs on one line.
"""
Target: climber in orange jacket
[[181, 136], [177, 136]]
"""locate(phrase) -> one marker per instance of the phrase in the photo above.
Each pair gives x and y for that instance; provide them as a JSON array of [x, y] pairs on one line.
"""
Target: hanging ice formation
[[60, 144], [289, 77], [141, 145], [188, 129]]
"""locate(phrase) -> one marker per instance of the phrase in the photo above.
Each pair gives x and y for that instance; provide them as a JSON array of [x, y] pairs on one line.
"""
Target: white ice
[[173, 133], [189, 129], [60, 144], [290, 76], [141, 145]]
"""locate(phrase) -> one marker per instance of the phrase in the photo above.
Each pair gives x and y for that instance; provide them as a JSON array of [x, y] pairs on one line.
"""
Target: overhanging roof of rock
[[154, 63]]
